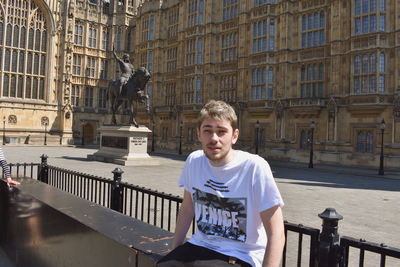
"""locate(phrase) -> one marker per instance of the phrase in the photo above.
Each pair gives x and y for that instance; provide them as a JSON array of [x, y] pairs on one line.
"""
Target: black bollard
[[117, 191], [44, 170], [329, 254]]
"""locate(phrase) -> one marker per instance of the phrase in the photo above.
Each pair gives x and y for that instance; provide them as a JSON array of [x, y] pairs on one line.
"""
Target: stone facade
[[281, 64]]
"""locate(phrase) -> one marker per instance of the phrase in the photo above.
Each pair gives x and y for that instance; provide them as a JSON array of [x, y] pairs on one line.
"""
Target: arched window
[[25, 50]]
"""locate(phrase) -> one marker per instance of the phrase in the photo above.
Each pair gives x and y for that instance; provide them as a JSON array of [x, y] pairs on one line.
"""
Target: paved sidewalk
[[339, 169], [368, 202]]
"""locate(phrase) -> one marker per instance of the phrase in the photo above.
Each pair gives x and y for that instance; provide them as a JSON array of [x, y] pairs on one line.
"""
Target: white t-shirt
[[227, 202]]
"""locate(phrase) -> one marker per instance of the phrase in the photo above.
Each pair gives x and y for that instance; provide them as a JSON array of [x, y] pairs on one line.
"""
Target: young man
[[6, 169], [233, 197]]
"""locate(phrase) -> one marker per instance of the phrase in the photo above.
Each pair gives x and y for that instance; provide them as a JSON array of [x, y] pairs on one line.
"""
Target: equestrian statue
[[129, 87]]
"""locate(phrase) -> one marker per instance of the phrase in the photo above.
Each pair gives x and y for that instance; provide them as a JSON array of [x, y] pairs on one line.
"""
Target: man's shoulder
[[195, 155], [252, 159]]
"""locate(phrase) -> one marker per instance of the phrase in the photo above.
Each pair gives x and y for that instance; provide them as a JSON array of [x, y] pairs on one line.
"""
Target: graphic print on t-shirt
[[216, 186], [223, 217]]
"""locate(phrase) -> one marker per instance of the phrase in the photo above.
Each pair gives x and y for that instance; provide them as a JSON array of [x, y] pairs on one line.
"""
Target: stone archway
[[88, 134]]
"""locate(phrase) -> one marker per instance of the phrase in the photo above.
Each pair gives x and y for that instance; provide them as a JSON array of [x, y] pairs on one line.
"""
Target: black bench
[[44, 226]]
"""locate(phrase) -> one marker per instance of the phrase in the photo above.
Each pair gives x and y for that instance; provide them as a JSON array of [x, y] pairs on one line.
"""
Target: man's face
[[216, 138]]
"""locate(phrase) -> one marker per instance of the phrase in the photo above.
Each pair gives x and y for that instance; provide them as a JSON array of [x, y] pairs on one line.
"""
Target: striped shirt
[[3, 163]]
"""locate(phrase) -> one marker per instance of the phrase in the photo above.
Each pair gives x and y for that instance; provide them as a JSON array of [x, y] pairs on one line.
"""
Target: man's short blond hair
[[218, 110]]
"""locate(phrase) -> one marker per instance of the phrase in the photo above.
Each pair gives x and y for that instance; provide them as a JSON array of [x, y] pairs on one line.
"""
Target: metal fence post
[[44, 170], [117, 191], [329, 253]]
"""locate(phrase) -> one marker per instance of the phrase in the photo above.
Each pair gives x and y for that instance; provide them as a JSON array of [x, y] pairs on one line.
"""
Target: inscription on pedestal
[[138, 141], [115, 142]]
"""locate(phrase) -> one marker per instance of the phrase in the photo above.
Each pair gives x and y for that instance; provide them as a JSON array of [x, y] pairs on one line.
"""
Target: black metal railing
[[300, 231], [384, 252], [30, 170], [310, 246]]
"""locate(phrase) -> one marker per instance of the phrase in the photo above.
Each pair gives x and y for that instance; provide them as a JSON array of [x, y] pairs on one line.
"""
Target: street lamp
[[45, 133], [4, 130], [257, 135], [383, 126], [310, 164], [180, 138], [153, 135]]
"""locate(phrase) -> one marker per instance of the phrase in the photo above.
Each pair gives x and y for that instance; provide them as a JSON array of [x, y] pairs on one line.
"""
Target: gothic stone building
[[326, 71]]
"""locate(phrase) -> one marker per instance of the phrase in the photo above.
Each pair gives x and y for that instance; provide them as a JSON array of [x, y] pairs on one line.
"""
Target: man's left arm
[[273, 223]]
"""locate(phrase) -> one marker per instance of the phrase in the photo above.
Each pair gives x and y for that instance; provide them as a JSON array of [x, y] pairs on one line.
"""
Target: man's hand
[[12, 182]]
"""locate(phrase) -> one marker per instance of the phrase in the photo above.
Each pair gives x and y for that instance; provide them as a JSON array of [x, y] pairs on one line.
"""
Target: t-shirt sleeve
[[266, 193]]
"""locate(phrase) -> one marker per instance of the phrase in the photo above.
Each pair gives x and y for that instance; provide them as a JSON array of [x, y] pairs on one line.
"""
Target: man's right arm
[[115, 54], [185, 218]]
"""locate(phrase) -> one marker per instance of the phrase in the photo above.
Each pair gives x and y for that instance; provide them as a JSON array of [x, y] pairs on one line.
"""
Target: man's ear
[[198, 132], [235, 136]]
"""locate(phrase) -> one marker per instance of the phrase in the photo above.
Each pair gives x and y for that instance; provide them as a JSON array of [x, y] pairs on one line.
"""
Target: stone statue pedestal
[[124, 145]]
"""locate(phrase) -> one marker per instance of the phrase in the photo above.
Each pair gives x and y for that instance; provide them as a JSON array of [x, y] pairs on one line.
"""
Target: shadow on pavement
[[311, 177]]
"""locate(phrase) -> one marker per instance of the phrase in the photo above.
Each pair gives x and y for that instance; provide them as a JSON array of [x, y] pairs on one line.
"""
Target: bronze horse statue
[[133, 90]]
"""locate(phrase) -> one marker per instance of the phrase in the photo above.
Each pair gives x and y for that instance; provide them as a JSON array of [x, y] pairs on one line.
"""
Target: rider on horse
[[127, 69]]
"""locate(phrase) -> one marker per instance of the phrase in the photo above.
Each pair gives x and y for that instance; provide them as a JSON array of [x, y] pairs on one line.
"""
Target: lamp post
[[153, 135], [4, 130], [257, 135], [180, 138], [310, 163], [45, 133], [383, 126]]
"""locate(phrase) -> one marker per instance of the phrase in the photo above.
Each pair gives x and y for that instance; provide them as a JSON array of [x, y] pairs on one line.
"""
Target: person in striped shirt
[[6, 169]]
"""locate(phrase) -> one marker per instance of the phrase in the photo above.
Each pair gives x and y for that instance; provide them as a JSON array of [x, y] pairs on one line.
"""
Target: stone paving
[[368, 202]]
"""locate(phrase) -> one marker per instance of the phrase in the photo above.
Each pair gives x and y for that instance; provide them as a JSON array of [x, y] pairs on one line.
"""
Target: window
[[313, 29], [149, 90], [92, 37], [369, 73], [173, 20], [146, 60], [170, 94], [230, 9], [228, 85], [90, 67], [305, 139], [78, 33], [164, 134], [264, 35], [89, 97], [104, 39], [119, 40], [229, 46], [171, 59], [76, 64], [102, 98], [261, 80], [195, 12], [364, 141], [147, 28], [151, 30], [194, 51], [312, 80], [150, 61], [23, 50], [191, 133], [190, 52], [263, 2], [75, 94], [103, 69], [192, 90], [130, 42], [199, 51], [369, 16]]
